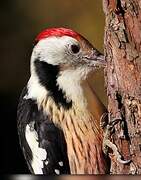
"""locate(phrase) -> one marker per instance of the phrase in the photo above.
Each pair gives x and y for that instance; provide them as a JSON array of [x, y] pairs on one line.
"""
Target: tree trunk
[[123, 80]]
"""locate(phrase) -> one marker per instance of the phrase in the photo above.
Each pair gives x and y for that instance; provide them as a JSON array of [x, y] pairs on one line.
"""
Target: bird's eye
[[75, 48]]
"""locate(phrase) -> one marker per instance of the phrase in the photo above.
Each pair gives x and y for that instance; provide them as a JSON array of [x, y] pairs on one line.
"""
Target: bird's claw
[[108, 144], [109, 129]]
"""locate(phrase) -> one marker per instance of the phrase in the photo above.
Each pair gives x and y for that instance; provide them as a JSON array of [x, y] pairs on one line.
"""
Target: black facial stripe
[[47, 74]]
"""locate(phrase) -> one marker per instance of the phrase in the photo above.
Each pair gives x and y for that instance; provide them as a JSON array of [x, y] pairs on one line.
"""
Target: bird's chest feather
[[84, 145]]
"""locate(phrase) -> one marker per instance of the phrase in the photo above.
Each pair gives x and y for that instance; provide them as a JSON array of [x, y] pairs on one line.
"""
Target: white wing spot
[[25, 97], [57, 171], [46, 162], [39, 154], [61, 163]]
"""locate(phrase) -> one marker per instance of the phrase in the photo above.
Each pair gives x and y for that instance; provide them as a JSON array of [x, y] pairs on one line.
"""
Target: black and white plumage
[[42, 142], [51, 105]]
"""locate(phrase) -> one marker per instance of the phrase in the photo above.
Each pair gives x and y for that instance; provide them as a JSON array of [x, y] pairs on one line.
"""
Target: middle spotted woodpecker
[[59, 112]]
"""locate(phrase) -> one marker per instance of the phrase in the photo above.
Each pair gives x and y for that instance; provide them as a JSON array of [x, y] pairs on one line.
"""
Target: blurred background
[[20, 22]]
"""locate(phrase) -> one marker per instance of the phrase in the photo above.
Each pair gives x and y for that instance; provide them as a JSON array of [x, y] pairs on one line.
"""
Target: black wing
[[50, 138]]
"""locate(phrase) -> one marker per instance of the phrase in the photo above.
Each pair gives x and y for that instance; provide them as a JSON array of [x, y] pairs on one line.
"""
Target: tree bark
[[123, 80]]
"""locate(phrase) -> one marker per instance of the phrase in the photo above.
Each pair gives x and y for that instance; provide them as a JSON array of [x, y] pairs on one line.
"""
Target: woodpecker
[[59, 113]]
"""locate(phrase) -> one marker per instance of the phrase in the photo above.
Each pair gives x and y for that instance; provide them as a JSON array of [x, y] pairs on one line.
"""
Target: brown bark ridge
[[123, 80]]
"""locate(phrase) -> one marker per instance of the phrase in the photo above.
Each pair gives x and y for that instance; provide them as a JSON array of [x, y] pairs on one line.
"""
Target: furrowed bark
[[123, 79]]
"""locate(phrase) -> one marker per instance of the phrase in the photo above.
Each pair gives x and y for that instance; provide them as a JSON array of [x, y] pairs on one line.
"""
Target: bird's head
[[61, 59], [67, 49]]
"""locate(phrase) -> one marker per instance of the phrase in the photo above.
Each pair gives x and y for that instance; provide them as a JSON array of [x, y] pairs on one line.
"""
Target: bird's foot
[[107, 144]]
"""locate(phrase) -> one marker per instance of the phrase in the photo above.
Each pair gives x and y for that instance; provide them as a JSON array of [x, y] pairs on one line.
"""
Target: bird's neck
[[69, 81], [79, 90], [74, 83]]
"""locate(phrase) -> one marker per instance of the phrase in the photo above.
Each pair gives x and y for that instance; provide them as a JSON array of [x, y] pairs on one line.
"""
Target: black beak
[[96, 58]]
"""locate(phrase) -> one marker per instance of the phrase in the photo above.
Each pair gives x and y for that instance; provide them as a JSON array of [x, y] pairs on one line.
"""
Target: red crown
[[57, 32]]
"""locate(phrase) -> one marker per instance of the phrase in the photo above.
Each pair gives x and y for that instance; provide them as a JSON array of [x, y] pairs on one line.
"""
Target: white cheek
[[51, 50]]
